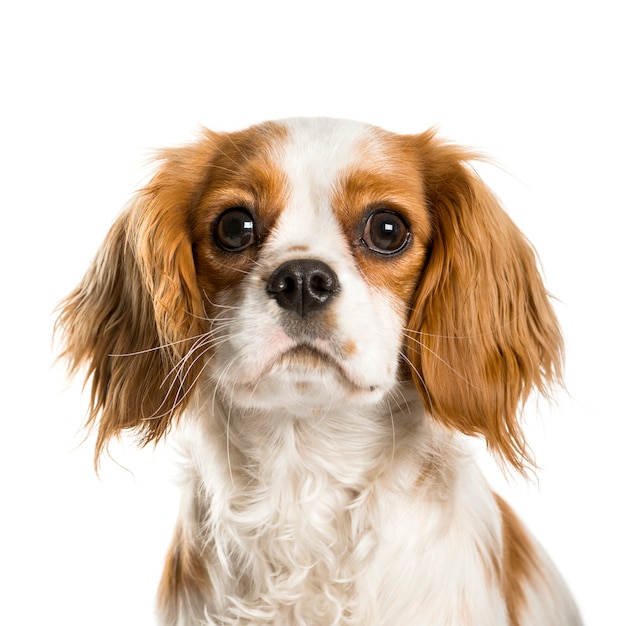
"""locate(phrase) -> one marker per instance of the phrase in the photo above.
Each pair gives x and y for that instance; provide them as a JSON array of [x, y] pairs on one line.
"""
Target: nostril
[[303, 285], [320, 283]]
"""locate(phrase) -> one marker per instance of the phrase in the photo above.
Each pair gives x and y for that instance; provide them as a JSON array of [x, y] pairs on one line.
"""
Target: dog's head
[[310, 264]]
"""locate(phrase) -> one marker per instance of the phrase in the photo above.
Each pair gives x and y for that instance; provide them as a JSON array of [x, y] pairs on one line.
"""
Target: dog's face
[[309, 266], [308, 246]]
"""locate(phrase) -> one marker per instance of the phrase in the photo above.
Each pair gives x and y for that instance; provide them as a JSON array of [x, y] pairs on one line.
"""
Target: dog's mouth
[[300, 376], [306, 358], [306, 363]]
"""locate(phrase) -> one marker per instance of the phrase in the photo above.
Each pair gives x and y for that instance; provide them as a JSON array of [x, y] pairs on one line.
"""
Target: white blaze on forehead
[[316, 152]]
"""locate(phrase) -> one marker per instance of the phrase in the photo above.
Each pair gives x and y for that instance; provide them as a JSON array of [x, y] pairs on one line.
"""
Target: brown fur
[[242, 173], [397, 182], [135, 315], [483, 332]]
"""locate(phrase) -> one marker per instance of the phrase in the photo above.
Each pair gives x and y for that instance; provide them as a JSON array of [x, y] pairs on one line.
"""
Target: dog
[[326, 312]]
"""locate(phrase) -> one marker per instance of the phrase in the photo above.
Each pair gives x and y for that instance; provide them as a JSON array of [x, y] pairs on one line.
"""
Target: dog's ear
[[483, 332], [136, 319]]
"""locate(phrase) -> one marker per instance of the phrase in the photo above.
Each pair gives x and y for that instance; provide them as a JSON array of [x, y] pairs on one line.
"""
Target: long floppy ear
[[135, 319], [484, 330]]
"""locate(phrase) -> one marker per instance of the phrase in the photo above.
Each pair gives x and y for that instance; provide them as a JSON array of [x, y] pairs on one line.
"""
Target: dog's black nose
[[303, 285]]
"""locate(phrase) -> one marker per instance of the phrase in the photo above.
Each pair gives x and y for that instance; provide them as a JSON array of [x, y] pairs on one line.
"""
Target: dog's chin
[[303, 381]]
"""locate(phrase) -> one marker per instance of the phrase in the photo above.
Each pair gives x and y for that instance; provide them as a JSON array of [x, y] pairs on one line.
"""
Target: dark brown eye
[[386, 232], [234, 229]]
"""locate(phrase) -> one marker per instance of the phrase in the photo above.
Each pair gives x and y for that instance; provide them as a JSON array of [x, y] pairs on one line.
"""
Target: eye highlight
[[386, 232], [234, 229]]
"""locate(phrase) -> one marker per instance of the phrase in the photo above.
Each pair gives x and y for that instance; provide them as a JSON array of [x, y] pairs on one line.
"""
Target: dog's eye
[[386, 232], [234, 229]]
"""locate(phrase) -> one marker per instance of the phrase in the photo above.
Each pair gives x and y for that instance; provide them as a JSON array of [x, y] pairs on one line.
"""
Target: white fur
[[417, 554]]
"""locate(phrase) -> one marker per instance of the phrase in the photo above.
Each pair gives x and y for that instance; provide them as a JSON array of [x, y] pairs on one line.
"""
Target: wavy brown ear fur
[[136, 317], [485, 332]]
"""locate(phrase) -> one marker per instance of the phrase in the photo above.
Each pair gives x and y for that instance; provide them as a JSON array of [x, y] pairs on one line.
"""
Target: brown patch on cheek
[[394, 184], [243, 174], [396, 276]]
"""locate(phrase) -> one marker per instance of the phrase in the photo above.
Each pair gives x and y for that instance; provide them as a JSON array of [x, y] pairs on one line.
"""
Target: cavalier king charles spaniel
[[325, 311]]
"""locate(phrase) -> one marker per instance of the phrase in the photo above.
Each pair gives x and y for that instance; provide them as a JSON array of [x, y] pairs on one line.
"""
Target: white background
[[89, 89]]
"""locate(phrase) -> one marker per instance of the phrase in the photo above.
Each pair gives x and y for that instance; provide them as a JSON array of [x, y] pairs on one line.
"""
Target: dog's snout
[[303, 285]]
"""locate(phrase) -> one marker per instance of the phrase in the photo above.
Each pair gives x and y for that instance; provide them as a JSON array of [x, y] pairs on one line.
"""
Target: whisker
[[440, 358], [156, 348], [241, 270], [474, 336], [238, 149], [390, 413], [179, 398], [226, 169], [228, 416], [219, 306], [420, 377], [181, 370], [202, 345]]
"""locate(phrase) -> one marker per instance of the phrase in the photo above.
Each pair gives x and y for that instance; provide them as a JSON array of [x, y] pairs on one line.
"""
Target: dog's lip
[[311, 355]]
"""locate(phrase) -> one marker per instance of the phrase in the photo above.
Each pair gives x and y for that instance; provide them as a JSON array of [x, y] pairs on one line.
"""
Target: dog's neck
[[284, 498], [351, 445], [269, 455]]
